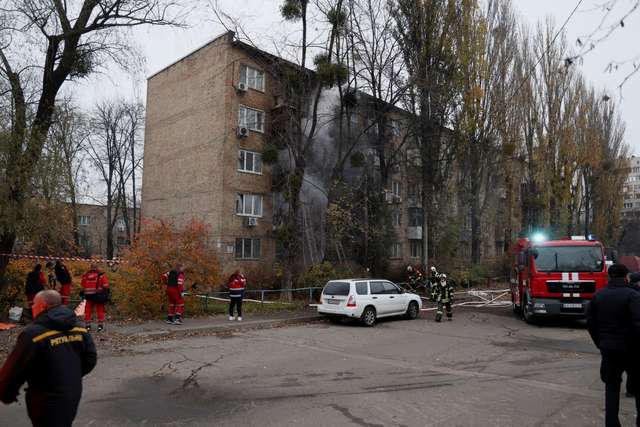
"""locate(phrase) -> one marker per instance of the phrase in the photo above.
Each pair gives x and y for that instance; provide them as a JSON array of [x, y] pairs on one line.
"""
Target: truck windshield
[[568, 258]]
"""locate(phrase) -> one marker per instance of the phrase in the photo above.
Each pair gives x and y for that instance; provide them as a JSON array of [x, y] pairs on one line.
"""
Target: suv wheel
[[369, 316], [412, 311]]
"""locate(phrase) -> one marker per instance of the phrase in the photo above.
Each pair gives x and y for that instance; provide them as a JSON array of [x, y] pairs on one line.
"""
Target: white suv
[[367, 300]]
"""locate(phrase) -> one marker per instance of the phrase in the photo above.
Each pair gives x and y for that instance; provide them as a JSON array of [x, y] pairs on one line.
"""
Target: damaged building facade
[[208, 123]]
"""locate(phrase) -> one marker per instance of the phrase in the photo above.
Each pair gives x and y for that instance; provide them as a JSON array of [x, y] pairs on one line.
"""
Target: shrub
[[139, 291]]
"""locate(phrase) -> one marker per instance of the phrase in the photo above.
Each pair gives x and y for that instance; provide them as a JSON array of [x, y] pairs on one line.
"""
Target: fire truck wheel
[[528, 316], [517, 309]]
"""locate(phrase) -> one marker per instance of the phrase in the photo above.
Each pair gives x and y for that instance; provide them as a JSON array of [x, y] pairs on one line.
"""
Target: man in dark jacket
[[51, 355], [634, 279], [613, 320]]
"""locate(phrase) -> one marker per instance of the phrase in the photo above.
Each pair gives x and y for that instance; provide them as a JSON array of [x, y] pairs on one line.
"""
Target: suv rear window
[[362, 288], [336, 288]]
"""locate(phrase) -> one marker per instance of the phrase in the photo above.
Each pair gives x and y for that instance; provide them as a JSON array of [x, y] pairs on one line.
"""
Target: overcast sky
[[162, 46]]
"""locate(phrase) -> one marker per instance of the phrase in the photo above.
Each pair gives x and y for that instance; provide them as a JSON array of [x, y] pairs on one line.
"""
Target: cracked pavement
[[486, 368]]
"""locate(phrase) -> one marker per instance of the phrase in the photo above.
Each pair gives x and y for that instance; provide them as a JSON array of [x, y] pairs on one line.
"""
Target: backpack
[[172, 278], [103, 295], [33, 285], [62, 274]]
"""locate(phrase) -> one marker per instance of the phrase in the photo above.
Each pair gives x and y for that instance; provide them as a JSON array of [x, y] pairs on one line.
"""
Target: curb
[[230, 327]]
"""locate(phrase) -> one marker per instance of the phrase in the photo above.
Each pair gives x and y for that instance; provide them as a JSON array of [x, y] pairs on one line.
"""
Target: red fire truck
[[556, 277]]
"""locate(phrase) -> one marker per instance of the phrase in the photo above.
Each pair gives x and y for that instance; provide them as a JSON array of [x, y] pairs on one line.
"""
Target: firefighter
[[51, 355], [613, 321], [95, 290], [174, 281], [64, 278], [36, 282], [236, 285], [444, 297]]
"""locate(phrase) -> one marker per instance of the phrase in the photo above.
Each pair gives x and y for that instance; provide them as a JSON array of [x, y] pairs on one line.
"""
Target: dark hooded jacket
[[51, 355], [613, 317]]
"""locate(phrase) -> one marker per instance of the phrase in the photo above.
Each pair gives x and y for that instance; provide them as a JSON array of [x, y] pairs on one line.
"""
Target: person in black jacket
[[634, 279], [51, 355], [613, 320]]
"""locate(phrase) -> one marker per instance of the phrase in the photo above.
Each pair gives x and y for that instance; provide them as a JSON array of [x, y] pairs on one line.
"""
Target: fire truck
[[556, 277]]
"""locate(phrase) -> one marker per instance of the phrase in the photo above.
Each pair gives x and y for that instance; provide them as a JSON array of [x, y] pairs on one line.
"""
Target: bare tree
[[68, 132], [426, 33], [76, 37]]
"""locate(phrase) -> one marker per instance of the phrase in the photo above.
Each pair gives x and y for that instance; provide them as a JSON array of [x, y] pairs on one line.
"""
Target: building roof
[[231, 36]]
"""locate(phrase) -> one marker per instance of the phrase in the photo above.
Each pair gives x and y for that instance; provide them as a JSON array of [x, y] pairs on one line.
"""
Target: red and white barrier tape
[[58, 258]]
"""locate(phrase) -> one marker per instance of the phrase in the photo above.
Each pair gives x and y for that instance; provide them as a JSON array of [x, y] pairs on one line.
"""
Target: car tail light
[[351, 302]]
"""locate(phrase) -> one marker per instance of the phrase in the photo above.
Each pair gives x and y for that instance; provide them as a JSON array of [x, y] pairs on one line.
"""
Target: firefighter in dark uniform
[[634, 279], [613, 320], [52, 355], [443, 295]]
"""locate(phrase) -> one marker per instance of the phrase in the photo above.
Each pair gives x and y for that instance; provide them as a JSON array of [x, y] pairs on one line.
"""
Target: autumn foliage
[[139, 292]]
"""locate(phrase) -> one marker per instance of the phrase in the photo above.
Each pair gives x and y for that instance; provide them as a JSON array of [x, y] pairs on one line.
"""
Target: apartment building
[[205, 132], [631, 190], [208, 119]]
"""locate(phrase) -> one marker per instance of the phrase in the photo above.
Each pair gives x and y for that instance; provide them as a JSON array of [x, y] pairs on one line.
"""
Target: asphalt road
[[485, 368]]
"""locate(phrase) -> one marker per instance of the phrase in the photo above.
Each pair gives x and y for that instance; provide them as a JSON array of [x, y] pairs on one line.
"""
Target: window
[[121, 241], [395, 128], [635, 170], [413, 157], [396, 188], [249, 204], [413, 189], [568, 258], [628, 205], [84, 220], [377, 288], [248, 248], [353, 119], [361, 288], [396, 250], [120, 225], [251, 119], [396, 218], [415, 217], [416, 248], [252, 78], [248, 161], [390, 288]]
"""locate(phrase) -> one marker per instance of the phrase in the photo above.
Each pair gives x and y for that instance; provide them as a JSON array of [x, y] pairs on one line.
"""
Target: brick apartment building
[[207, 116], [631, 190]]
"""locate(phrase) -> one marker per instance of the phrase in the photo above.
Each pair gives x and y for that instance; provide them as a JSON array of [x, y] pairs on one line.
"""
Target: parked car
[[367, 300]]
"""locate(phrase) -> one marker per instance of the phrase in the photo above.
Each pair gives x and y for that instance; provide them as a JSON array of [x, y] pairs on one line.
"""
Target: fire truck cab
[[556, 277]]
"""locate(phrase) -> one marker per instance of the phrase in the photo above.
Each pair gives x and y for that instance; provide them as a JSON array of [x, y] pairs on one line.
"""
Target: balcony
[[414, 233]]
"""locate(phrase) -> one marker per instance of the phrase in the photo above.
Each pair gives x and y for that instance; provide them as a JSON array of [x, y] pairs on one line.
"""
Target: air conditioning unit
[[397, 199], [243, 131], [242, 87], [252, 221]]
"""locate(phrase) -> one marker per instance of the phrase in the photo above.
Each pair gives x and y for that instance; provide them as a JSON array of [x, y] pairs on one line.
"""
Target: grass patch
[[197, 307]]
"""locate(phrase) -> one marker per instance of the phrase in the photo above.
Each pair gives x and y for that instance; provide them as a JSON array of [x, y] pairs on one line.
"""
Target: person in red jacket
[[174, 280], [236, 285], [95, 289]]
